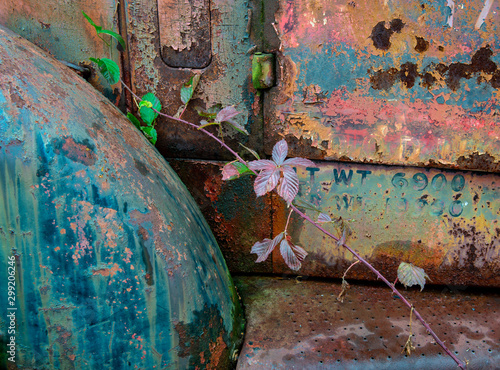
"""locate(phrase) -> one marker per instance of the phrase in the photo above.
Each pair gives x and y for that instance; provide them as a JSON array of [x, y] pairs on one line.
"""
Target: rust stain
[[216, 351], [381, 35], [485, 162], [415, 106], [81, 152], [109, 271], [411, 252], [481, 67]]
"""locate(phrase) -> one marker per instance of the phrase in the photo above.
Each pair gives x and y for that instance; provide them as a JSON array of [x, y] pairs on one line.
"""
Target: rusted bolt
[[263, 75]]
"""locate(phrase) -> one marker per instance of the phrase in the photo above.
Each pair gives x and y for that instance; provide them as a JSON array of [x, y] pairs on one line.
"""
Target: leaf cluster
[[108, 68], [149, 107]]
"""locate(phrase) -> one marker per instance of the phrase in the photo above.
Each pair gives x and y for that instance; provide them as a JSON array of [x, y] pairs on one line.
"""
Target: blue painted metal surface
[[115, 266]]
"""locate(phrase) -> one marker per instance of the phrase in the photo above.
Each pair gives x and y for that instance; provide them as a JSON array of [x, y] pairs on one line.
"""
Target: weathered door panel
[[168, 44], [394, 82], [443, 221]]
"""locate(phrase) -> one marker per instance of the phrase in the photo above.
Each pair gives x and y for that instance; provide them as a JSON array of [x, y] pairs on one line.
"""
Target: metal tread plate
[[297, 324]]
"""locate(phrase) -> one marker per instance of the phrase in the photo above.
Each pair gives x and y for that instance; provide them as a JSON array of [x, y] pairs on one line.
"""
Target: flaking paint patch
[[107, 271], [414, 106]]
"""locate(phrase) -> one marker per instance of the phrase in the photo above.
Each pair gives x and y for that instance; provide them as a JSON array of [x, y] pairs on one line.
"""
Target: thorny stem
[[241, 160], [288, 220], [307, 218], [183, 110], [395, 291]]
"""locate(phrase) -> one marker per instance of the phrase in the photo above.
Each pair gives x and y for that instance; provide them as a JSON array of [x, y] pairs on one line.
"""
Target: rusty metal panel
[[226, 80], [394, 82], [60, 28], [297, 324], [237, 218], [441, 220], [115, 265]]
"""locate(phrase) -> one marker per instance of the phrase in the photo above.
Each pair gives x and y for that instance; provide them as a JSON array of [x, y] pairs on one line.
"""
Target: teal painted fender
[[112, 264]]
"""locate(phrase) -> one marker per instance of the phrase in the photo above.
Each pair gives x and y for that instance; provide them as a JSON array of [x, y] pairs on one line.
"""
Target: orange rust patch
[[107, 271], [407, 251], [212, 189], [77, 152], [216, 349]]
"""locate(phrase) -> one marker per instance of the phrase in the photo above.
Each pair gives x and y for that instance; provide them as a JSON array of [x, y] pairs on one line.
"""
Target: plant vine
[[272, 175]]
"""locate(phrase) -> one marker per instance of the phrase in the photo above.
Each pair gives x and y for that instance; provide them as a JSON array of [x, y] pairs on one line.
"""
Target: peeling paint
[[185, 36], [225, 80], [416, 92]]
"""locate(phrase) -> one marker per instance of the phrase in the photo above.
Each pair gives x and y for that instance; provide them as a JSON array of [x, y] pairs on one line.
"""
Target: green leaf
[[234, 170], [108, 68], [150, 133], [116, 36], [188, 88], [99, 30], [149, 101], [242, 169], [410, 275], [134, 120], [145, 103], [254, 153]]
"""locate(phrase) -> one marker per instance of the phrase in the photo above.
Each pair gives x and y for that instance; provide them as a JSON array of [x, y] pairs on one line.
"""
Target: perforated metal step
[[294, 324]]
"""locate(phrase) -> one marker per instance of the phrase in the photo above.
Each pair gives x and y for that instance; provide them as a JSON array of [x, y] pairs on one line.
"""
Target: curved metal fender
[[115, 266]]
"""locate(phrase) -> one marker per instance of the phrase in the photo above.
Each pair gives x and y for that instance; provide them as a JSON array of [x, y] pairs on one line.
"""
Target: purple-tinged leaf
[[262, 165], [299, 252], [292, 254], [323, 217], [280, 151], [264, 248], [229, 172], [410, 275], [266, 181], [226, 114], [299, 162], [289, 184]]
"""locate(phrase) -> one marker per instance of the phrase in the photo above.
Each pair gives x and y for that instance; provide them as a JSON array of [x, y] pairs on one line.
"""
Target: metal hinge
[[263, 71]]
